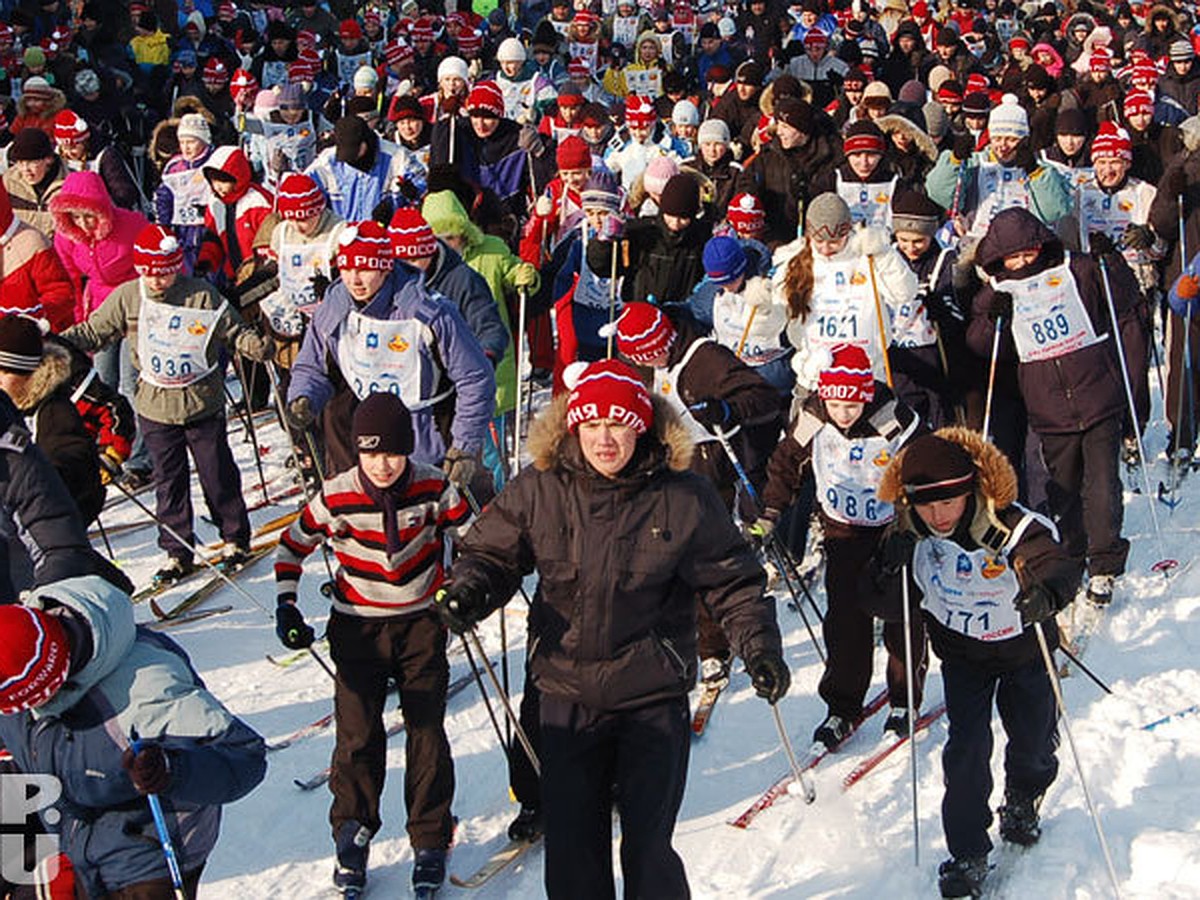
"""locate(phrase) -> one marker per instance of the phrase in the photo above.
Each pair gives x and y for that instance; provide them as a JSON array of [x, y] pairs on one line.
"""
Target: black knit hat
[[914, 212], [681, 197], [797, 113], [20, 344], [30, 144], [934, 469], [1071, 120], [383, 424]]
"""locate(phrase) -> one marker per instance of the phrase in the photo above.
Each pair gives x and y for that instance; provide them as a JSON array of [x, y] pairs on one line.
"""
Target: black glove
[[896, 552], [320, 284], [382, 213], [712, 413], [964, 146], [461, 604], [300, 412], [1037, 603], [1001, 306], [148, 768], [408, 191], [770, 676], [1025, 160], [293, 631], [1101, 244], [941, 308], [1138, 237]]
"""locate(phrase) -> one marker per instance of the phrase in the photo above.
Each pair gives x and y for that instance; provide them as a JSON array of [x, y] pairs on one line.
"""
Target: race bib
[[1049, 318], [970, 592], [383, 355], [348, 65], [869, 203], [644, 82], [190, 192], [848, 472], [173, 343]]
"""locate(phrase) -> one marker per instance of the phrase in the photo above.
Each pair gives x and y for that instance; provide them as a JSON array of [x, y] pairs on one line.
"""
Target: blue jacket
[[134, 680], [455, 355], [352, 193]]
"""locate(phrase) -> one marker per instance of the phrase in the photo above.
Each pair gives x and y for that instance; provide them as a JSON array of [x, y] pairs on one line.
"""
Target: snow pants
[[158, 889], [636, 759], [1084, 493], [1026, 703], [849, 633], [367, 651], [220, 480]]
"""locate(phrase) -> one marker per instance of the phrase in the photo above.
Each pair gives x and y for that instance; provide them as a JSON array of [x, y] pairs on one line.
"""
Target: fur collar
[[51, 373]]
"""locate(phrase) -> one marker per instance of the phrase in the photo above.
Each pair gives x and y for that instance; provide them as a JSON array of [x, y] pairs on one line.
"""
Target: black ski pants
[[1026, 703], [636, 759]]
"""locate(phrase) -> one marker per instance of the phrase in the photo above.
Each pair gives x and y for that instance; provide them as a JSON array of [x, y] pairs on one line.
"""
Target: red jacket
[[236, 216], [32, 279]]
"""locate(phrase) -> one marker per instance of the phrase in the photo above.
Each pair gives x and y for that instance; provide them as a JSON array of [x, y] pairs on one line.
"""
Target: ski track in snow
[[275, 843]]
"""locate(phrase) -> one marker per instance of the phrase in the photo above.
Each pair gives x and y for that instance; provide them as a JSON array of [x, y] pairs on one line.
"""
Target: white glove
[[757, 293], [873, 242], [544, 206]]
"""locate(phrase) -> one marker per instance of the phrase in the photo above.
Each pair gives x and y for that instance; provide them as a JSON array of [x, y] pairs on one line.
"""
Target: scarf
[[386, 499]]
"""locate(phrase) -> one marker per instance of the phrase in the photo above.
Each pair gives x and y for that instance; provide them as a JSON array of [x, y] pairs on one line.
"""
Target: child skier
[[847, 433], [381, 626], [182, 324], [986, 571]]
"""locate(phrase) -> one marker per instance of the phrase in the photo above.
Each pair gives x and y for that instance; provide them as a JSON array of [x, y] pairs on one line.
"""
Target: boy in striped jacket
[[386, 521]]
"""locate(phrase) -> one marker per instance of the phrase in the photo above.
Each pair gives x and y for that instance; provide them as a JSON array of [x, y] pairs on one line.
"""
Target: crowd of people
[[892, 272]]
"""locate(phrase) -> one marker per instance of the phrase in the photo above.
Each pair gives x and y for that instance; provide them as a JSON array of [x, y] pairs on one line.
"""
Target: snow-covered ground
[[275, 843]]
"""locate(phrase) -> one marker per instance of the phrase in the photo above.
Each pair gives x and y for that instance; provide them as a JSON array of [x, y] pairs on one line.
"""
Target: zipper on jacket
[[672, 654]]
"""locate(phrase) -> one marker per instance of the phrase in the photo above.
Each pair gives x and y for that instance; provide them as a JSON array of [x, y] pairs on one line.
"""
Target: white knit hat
[[453, 66], [510, 50], [194, 125], [1008, 119], [685, 113], [713, 130], [365, 78]]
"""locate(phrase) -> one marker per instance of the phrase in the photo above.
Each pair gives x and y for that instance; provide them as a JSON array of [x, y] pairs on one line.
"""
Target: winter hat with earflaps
[[35, 658], [827, 218], [608, 389]]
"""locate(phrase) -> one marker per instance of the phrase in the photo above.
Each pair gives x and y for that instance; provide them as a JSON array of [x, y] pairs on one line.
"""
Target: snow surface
[[275, 843]]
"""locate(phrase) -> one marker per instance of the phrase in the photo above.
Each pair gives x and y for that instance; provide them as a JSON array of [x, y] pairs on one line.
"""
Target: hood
[[1159, 8], [445, 214], [232, 161], [1055, 67], [57, 103], [913, 30], [196, 18], [997, 480], [82, 192], [890, 123], [551, 444], [53, 371], [108, 615], [1012, 230]]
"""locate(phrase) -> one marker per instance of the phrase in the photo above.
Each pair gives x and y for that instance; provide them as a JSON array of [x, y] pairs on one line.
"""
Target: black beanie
[[383, 424], [348, 136], [1071, 120], [30, 144], [680, 197], [20, 344], [934, 469], [797, 113]]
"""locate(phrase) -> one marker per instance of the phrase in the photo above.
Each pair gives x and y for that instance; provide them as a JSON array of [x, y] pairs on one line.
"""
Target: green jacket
[[117, 317]]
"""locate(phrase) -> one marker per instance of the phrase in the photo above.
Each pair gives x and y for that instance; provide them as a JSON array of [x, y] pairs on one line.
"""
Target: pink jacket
[[105, 262]]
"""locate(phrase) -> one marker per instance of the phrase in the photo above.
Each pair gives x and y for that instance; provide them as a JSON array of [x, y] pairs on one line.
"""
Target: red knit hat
[[643, 332], [156, 251], [1112, 141], [469, 41], [299, 197], [578, 67], [34, 658], [863, 136], [306, 67], [487, 97], [397, 52], [410, 234], [422, 29], [848, 377], [242, 82], [1138, 102], [608, 389], [1101, 60], [70, 128], [573, 153], [746, 214], [364, 245], [639, 111], [349, 30], [215, 73]]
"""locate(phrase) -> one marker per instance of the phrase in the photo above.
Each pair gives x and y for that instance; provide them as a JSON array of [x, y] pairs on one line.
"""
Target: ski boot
[[176, 569], [429, 870], [235, 559], [897, 722], [1100, 589], [527, 826], [833, 731], [962, 877], [1019, 818], [353, 842]]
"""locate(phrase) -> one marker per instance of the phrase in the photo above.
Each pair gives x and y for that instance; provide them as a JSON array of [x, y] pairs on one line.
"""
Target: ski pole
[[1187, 335], [612, 301], [477, 509], [512, 716], [912, 713], [519, 358], [252, 432], [487, 702], [191, 548], [1062, 709], [281, 411], [1062, 648], [991, 386], [104, 537], [787, 579], [883, 336], [802, 779], [164, 834], [1164, 565], [800, 579]]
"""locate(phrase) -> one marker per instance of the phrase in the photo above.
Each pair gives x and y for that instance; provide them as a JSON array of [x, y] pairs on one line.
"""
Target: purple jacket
[[456, 356]]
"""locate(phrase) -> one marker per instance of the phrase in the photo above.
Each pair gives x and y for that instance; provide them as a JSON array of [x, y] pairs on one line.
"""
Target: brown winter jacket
[[622, 563], [992, 514]]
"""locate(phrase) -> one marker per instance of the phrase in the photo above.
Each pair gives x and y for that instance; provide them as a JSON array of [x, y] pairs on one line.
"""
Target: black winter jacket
[[622, 563]]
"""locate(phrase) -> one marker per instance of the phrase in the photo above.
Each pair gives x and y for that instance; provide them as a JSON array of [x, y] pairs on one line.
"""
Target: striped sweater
[[369, 581]]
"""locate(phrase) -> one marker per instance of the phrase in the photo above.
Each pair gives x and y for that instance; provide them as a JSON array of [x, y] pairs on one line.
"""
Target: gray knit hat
[[828, 218], [602, 191], [713, 130]]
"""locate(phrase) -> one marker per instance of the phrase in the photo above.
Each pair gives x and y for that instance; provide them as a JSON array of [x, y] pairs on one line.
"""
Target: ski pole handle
[[164, 835]]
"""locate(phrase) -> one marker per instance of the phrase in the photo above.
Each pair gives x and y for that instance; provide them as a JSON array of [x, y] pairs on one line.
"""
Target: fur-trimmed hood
[[53, 371], [550, 443], [996, 480], [82, 192], [890, 123], [56, 104], [1160, 9]]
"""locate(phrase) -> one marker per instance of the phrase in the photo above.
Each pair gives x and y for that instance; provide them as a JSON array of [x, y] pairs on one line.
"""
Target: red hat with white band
[[156, 251], [364, 245]]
